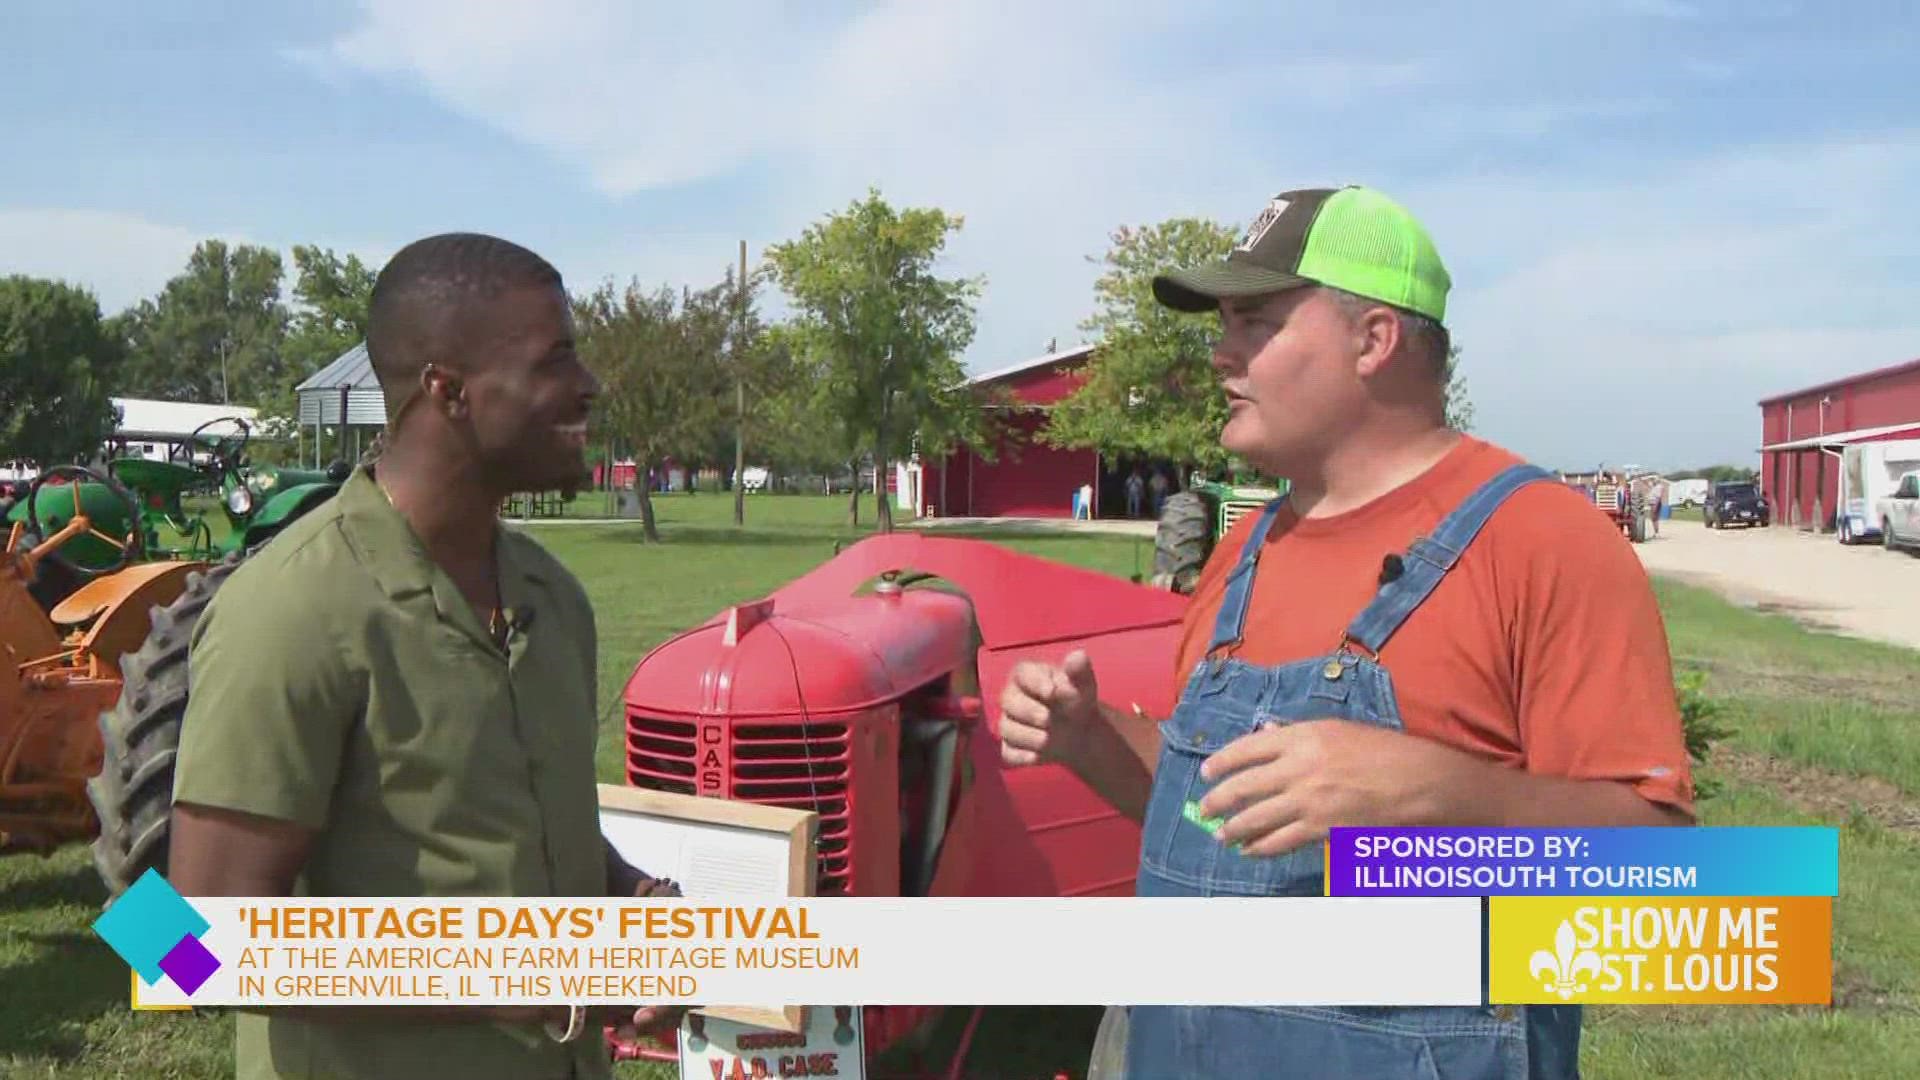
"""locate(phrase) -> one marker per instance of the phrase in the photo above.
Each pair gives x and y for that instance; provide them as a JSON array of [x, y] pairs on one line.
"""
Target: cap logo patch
[[1258, 230]]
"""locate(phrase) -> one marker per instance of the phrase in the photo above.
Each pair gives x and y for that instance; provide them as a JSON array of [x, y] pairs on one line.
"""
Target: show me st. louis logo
[[157, 932]]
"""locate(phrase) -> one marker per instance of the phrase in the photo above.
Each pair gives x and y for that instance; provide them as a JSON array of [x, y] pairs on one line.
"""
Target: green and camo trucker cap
[[1350, 238]]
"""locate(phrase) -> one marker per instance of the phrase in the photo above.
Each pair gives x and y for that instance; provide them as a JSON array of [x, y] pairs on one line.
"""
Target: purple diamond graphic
[[189, 964]]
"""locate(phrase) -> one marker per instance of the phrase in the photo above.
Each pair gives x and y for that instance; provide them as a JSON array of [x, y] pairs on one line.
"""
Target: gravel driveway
[[1862, 591]]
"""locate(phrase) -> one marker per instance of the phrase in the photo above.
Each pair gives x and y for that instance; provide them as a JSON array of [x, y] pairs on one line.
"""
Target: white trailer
[[1687, 492], [1869, 472]]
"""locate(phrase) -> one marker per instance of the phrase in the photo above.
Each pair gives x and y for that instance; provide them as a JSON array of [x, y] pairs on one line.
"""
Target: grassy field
[[1824, 731]]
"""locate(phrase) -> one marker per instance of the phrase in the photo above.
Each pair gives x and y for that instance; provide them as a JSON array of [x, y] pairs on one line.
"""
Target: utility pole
[[740, 401]]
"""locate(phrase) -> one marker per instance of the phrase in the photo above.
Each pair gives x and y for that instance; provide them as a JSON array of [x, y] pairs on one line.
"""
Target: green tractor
[[150, 512], [1194, 520], [255, 502]]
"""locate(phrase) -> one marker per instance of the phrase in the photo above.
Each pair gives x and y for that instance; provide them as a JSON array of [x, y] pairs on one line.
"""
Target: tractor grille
[[1606, 497], [660, 754], [802, 765], [1232, 511]]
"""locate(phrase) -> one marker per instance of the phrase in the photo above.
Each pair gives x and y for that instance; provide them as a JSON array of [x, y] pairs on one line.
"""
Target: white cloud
[[123, 258], [1038, 124], [120, 257], [1644, 323], [1625, 304]]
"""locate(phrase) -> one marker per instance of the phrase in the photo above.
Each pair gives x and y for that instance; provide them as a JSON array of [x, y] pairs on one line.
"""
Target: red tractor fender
[[1026, 607], [1035, 831]]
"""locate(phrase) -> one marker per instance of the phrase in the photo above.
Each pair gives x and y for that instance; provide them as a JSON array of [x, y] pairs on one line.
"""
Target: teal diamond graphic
[[147, 922]]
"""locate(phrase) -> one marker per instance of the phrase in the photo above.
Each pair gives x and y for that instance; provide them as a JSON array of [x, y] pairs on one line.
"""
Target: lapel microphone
[[1390, 569]]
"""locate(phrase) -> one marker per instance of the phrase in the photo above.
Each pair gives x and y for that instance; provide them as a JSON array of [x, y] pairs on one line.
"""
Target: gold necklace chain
[[494, 617]]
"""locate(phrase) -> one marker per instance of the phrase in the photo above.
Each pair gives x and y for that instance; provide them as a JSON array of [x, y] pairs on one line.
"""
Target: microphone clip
[[1391, 568]]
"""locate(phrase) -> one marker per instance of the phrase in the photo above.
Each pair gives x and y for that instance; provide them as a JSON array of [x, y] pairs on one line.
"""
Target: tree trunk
[[883, 506], [647, 527], [853, 504]]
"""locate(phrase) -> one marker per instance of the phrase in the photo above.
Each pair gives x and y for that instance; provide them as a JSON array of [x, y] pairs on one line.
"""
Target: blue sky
[[1655, 211]]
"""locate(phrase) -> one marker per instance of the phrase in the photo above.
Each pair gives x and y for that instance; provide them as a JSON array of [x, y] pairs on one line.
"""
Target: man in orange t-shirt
[[1426, 631]]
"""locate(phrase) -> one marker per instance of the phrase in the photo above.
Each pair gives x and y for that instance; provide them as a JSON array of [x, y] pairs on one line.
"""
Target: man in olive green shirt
[[396, 696]]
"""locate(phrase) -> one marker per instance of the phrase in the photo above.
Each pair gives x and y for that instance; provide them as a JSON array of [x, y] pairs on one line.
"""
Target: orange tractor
[[63, 658], [101, 583]]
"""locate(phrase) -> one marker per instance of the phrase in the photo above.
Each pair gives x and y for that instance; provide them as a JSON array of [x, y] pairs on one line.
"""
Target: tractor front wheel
[[1182, 541], [140, 737]]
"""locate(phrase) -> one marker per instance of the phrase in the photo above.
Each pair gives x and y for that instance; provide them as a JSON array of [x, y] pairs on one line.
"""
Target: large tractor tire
[[1182, 541], [140, 737], [1109, 1058]]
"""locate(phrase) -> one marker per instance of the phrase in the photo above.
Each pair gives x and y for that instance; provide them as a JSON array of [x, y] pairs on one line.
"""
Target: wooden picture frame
[[718, 848]]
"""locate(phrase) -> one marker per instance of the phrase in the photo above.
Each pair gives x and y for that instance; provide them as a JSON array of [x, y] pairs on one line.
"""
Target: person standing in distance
[[1425, 631], [377, 711]]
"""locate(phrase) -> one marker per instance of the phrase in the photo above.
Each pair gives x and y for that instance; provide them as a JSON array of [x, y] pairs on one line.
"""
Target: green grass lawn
[[1824, 732]]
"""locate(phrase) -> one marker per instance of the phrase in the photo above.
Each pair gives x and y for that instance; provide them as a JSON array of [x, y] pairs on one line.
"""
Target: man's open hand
[[647, 1020], [1282, 787], [1047, 709]]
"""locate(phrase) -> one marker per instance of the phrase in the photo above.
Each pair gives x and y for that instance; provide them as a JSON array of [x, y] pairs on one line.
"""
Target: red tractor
[[865, 690], [1623, 496]]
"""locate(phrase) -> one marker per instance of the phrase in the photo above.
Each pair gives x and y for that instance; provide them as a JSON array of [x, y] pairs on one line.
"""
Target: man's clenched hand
[[1283, 786], [1047, 710]]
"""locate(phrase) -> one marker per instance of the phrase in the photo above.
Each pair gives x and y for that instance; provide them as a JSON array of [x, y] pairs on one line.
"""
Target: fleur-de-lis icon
[[1565, 966]]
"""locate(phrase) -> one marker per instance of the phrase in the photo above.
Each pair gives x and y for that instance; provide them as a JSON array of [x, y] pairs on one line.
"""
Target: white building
[[148, 428]]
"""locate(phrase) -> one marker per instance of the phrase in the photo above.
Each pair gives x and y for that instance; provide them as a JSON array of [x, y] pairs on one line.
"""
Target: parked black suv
[[1736, 503]]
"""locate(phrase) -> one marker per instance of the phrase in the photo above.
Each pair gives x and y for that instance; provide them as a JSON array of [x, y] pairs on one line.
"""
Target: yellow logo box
[[135, 1001], [1661, 950]]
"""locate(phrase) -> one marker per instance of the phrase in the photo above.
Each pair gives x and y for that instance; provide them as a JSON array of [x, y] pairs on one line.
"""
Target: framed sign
[[831, 1043], [717, 849]]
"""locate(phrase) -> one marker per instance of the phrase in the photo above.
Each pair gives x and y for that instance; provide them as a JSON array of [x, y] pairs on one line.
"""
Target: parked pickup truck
[[1900, 513]]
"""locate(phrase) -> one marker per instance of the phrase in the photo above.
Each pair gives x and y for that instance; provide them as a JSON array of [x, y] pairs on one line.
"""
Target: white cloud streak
[[1632, 307], [119, 257]]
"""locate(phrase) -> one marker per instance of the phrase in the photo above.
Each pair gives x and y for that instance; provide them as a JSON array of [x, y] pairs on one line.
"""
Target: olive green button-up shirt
[[341, 680]]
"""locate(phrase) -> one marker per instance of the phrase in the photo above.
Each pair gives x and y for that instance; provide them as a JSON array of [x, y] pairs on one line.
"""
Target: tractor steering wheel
[[229, 460], [129, 546]]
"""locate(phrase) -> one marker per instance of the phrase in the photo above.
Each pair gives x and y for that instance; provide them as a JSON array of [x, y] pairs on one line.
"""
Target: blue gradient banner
[[1700, 861]]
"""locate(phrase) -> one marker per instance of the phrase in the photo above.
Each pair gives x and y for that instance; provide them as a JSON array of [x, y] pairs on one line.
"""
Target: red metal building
[[1802, 433], [1030, 478]]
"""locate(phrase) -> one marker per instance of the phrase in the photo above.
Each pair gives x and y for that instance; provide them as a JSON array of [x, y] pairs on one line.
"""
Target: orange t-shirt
[[1543, 648]]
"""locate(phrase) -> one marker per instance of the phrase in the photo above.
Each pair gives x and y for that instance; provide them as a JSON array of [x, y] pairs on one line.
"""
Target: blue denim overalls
[[1225, 699]]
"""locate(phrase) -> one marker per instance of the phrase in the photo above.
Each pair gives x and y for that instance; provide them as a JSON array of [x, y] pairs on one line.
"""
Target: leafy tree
[[1719, 474], [764, 372], [1459, 405], [795, 432], [657, 357], [882, 334], [215, 333], [1150, 388], [332, 297], [56, 364]]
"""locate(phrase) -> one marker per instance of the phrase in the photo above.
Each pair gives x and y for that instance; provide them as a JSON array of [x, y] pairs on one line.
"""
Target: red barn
[[1030, 478], [1802, 431]]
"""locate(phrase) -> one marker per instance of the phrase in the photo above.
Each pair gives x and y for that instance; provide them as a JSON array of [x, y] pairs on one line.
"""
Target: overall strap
[[1232, 620], [1430, 557]]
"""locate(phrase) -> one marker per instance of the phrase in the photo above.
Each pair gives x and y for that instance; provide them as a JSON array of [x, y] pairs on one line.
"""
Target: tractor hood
[[764, 659]]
